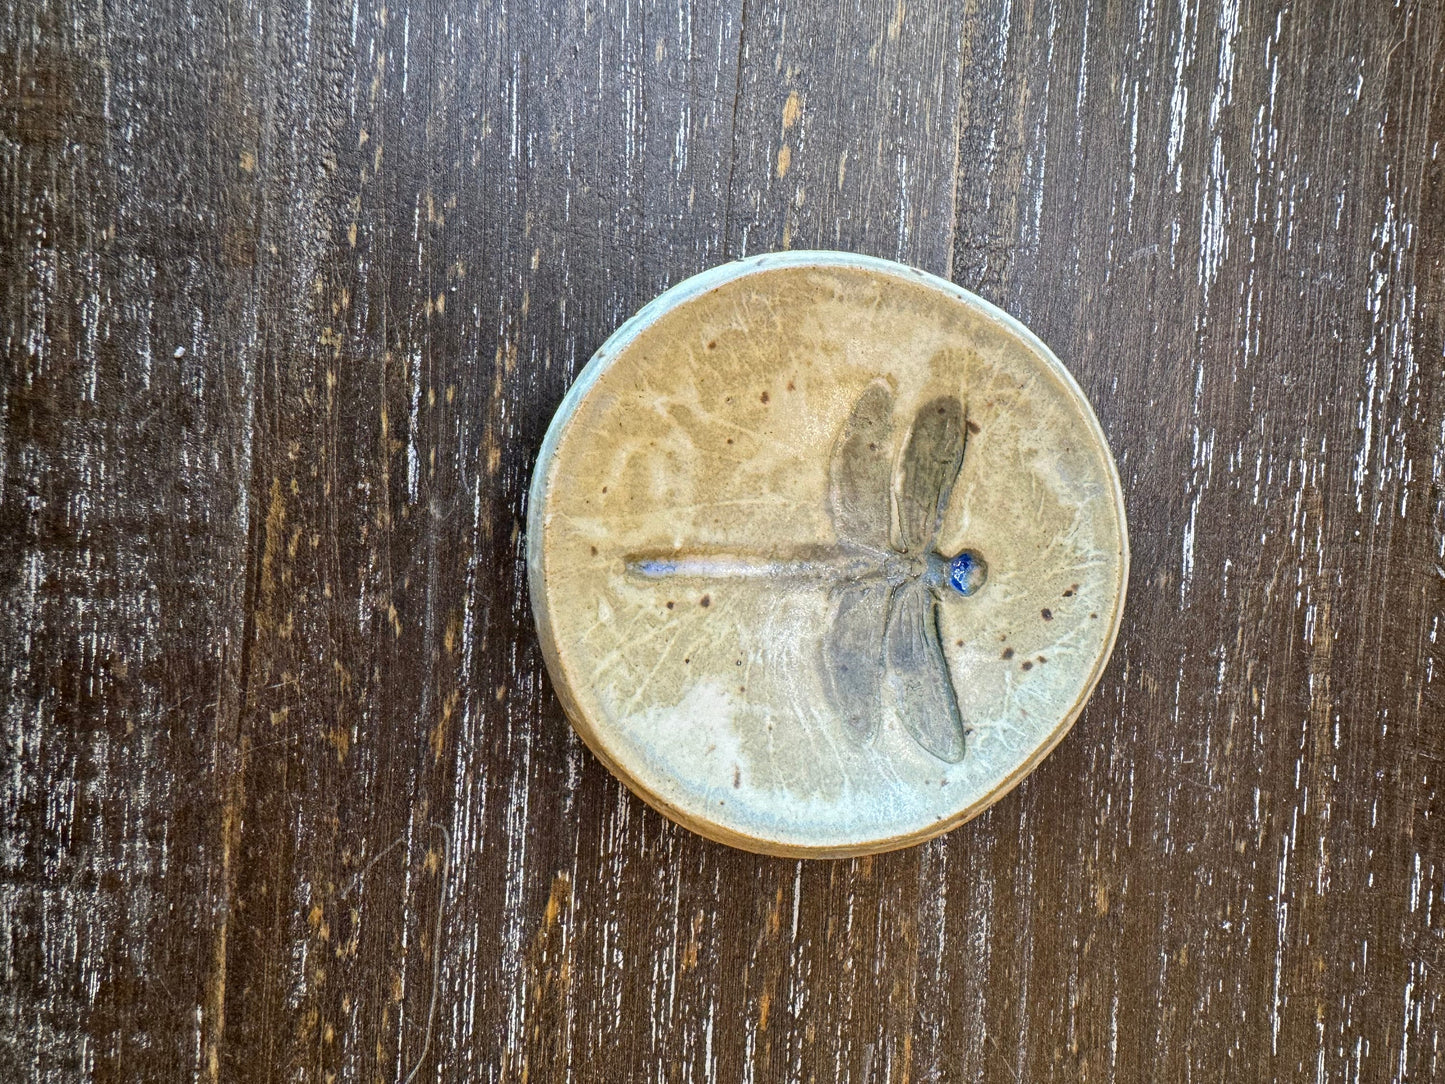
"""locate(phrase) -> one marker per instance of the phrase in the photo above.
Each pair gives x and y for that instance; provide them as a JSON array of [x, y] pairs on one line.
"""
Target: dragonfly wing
[[919, 675], [853, 656], [859, 474], [930, 466]]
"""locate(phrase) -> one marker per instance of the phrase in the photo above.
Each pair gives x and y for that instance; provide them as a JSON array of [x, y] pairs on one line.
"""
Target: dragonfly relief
[[885, 578]]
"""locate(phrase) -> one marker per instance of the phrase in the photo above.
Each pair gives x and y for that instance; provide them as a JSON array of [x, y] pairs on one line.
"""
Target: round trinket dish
[[826, 553]]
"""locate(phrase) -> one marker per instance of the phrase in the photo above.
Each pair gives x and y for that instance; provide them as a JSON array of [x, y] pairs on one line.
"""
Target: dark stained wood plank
[[293, 797], [1215, 214], [371, 436], [847, 131], [128, 251]]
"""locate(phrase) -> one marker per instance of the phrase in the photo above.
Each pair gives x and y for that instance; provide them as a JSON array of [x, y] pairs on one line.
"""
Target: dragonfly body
[[961, 574], [884, 576]]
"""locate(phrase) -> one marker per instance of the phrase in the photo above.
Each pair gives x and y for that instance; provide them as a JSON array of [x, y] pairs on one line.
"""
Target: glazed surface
[[707, 438]]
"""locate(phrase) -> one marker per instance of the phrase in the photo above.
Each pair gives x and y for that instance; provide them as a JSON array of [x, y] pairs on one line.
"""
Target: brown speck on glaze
[[671, 604], [1008, 653], [1026, 665], [1046, 614], [974, 427], [706, 600], [763, 398]]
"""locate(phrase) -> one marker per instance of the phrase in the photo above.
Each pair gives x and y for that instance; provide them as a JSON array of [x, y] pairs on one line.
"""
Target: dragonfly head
[[967, 572]]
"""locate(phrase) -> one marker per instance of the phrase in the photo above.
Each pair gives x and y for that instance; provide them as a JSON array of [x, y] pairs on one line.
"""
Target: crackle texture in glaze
[[705, 429]]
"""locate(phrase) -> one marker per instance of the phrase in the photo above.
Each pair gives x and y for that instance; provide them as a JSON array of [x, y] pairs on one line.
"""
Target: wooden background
[[290, 293]]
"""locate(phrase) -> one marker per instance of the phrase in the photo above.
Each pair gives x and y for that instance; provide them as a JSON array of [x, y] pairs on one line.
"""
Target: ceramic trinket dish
[[826, 553]]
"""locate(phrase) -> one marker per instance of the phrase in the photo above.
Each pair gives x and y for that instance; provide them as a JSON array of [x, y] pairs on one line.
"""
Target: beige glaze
[[706, 425]]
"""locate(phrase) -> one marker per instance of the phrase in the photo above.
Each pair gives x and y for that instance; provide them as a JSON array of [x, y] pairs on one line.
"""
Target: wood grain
[[290, 294], [130, 364]]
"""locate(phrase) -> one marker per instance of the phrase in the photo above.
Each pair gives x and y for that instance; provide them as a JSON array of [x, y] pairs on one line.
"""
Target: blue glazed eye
[[967, 572]]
